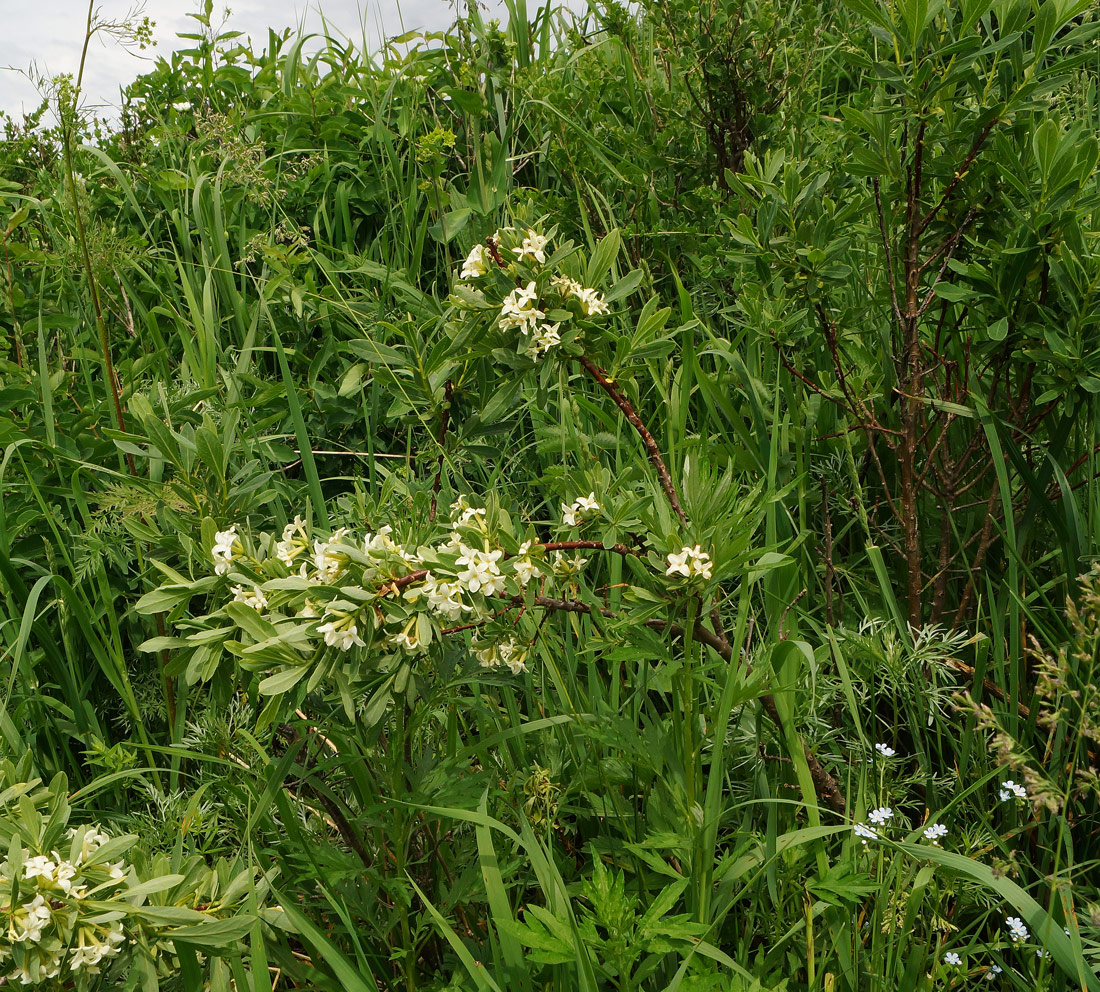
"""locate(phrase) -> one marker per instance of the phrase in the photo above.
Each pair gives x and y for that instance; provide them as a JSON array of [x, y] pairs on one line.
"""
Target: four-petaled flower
[[690, 563], [880, 816], [584, 504], [481, 573], [341, 632], [253, 597], [534, 246]]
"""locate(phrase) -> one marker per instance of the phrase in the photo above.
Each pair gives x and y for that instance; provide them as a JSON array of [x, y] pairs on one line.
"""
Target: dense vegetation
[[607, 502]]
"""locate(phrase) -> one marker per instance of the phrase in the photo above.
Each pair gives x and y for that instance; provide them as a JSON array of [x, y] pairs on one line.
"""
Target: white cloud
[[49, 35]]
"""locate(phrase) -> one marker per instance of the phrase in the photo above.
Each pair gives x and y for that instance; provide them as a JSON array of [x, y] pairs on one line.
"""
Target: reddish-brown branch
[[619, 549], [636, 422], [959, 173]]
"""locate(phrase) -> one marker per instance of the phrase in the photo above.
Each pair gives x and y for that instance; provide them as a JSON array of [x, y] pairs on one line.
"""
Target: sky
[[49, 34]]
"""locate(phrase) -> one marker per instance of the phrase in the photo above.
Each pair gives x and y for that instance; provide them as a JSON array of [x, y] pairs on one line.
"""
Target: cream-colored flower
[[689, 563], [481, 573], [533, 246], [327, 559], [295, 541], [518, 310], [476, 264], [592, 302], [341, 632], [253, 597], [588, 503], [225, 549], [567, 566], [524, 567]]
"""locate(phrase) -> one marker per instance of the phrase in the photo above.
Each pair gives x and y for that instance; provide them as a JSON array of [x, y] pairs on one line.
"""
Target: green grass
[[651, 805]]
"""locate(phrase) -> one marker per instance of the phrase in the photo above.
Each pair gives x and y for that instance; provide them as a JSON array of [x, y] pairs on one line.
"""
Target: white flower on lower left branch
[[341, 632]]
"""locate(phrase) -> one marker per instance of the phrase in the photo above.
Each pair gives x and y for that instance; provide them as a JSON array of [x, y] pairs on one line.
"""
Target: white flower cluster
[[525, 567], [935, 832], [253, 597], [295, 542], [864, 832], [585, 504], [881, 816], [521, 309], [567, 565], [225, 549], [885, 750], [1017, 932], [50, 932], [340, 631], [466, 567], [691, 563], [444, 597], [504, 652], [476, 264], [532, 247], [591, 302], [1010, 790]]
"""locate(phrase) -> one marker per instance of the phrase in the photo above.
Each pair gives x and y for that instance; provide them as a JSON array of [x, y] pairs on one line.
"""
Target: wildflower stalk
[[66, 114]]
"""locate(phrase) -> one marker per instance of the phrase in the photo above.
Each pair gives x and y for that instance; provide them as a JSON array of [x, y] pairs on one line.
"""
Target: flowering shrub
[[83, 909]]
